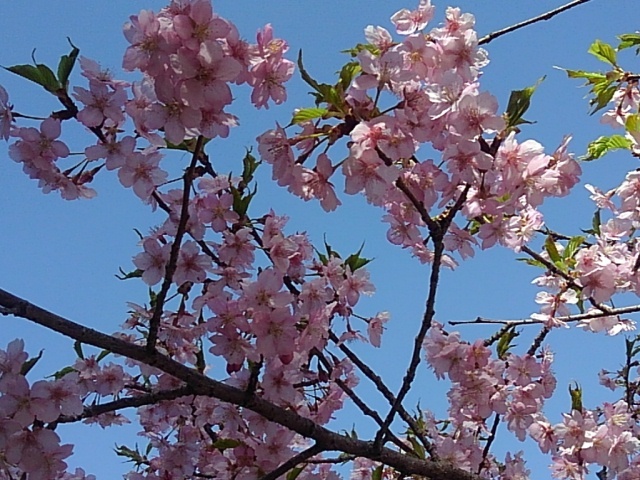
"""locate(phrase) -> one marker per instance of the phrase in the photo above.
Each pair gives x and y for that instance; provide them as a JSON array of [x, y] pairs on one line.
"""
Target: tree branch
[[154, 323], [567, 318], [545, 16], [437, 236], [127, 402], [293, 462], [203, 385], [386, 393]]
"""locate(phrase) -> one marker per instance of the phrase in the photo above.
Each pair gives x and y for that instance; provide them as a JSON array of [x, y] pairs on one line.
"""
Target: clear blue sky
[[63, 255]]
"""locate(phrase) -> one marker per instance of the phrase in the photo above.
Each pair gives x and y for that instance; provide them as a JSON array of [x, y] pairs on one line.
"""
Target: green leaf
[[102, 355], [552, 250], [596, 222], [355, 261], [603, 94], [62, 372], [137, 273], [226, 443], [377, 473], [40, 74], [29, 364], [417, 447], [294, 473], [591, 77], [305, 114], [576, 397], [240, 202], [632, 123], [77, 347], [519, 102], [629, 40], [249, 167], [189, 145], [348, 73], [603, 145], [603, 52], [66, 65], [133, 456], [572, 247], [329, 94], [532, 262], [505, 342], [360, 47]]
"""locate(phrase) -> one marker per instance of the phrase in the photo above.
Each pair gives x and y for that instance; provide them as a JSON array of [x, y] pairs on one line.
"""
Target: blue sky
[[63, 255]]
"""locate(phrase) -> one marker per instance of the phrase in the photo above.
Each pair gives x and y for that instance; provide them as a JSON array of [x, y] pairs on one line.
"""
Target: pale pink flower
[[267, 79], [6, 117], [101, 103], [408, 22], [317, 184], [192, 264], [141, 171], [355, 283], [152, 261], [200, 25], [375, 327]]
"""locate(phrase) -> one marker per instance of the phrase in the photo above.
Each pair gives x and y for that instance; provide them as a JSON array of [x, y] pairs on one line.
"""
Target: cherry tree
[[243, 355]]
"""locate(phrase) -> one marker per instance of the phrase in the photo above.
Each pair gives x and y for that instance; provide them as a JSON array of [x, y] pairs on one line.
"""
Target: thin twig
[[545, 16], [437, 235], [293, 462], [566, 318], [364, 408], [386, 393], [154, 323], [492, 437], [538, 340], [127, 402], [570, 281]]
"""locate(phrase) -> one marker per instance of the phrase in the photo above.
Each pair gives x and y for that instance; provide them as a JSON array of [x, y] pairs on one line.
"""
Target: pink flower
[[152, 261], [408, 22], [101, 103], [355, 283], [317, 184], [267, 80], [192, 264], [375, 327], [141, 171], [6, 117]]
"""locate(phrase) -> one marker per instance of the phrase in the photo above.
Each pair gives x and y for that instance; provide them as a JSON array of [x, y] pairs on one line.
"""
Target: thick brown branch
[[203, 385], [545, 16]]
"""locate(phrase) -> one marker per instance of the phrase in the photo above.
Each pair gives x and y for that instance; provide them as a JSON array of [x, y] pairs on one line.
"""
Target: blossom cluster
[[433, 78], [236, 296], [515, 388]]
